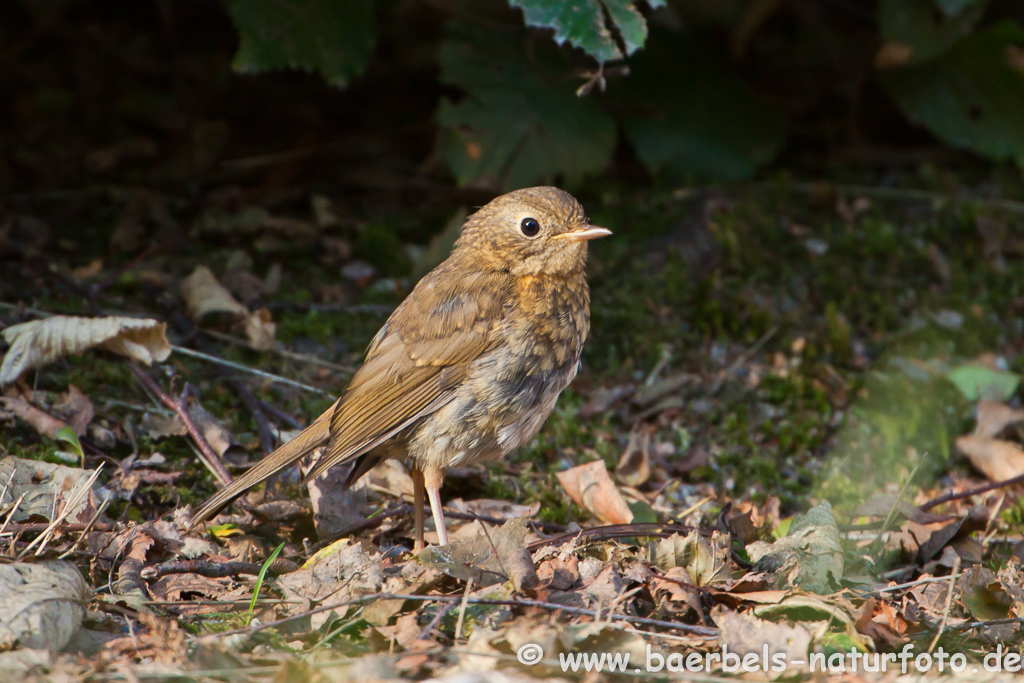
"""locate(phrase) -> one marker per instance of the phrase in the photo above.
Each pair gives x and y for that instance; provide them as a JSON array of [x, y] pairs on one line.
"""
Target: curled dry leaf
[[994, 417], [745, 634], [41, 604], [590, 487], [41, 421], [36, 343], [995, 458], [203, 295]]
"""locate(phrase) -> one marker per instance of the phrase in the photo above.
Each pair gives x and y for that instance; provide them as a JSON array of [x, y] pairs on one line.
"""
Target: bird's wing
[[416, 363], [412, 368]]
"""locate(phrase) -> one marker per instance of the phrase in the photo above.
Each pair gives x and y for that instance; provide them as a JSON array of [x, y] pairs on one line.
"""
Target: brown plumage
[[469, 366]]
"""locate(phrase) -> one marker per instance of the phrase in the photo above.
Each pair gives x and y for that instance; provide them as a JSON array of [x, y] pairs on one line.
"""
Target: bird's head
[[533, 231]]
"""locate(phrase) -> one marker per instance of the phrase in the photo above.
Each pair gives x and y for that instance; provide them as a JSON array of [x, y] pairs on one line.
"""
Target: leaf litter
[[585, 549]]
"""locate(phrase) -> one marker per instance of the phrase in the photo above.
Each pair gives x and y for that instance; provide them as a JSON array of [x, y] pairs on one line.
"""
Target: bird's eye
[[530, 227]]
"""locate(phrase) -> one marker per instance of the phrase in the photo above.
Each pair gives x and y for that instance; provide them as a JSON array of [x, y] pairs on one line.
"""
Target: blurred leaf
[[584, 23], [38, 342], [954, 7], [689, 113], [971, 97], [332, 37], [979, 382], [928, 34], [67, 436], [516, 126]]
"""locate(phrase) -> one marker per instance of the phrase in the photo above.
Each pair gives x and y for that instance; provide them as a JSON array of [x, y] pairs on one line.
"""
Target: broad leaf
[[516, 125], [688, 113], [972, 96], [926, 32], [954, 7], [333, 37], [584, 24]]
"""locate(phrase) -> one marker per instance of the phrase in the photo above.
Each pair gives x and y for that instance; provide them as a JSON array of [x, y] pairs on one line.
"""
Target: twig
[[284, 353], [209, 458], [370, 523], [971, 492], [949, 604], [438, 617], [744, 357], [610, 531], [203, 568], [279, 415], [245, 368], [983, 624], [267, 438], [686, 628]]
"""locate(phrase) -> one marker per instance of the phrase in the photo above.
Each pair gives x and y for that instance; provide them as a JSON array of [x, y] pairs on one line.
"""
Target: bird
[[469, 366]]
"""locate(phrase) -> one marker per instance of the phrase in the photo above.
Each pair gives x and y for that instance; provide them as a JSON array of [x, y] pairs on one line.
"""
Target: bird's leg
[[417, 508], [432, 479]]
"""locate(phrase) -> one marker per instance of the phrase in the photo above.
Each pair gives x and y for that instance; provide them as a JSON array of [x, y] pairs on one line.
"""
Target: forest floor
[[755, 350]]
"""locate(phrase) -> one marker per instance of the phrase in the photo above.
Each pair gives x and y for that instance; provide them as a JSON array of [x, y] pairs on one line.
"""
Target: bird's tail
[[316, 434]]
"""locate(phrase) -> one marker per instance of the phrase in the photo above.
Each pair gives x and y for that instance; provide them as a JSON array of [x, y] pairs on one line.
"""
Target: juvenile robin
[[470, 365]]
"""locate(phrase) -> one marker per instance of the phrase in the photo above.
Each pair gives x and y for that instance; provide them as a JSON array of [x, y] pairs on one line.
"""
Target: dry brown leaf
[[634, 466], [893, 54], [995, 458], [746, 634], [36, 343], [994, 417], [260, 330], [41, 421], [590, 487], [47, 489], [203, 294], [75, 409], [41, 604]]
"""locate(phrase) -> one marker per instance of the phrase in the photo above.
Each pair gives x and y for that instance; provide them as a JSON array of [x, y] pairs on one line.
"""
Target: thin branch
[[985, 488], [685, 628], [209, 458], [245, 368]]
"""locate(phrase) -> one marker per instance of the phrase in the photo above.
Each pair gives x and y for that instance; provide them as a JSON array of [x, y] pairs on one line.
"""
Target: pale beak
[[586, 232]]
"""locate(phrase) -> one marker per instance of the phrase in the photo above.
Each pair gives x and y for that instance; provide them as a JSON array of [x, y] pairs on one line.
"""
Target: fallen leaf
[[492, 556], [995, 458], [47, 488], [36, 343], [41, 421], [634, 466], [702, 558], [994, 417], [346, 572], [591, 488], [810, 555], [42, 604], [203, 294], [976, 381], [75, 409], [260, 329], [745, 634]]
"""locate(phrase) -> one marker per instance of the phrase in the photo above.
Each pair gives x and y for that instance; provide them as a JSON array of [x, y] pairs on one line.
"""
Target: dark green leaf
[[520, 122], [689, 113], [955, 7], [929, 33], [971, 96], [334, 37], [584, 23]]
